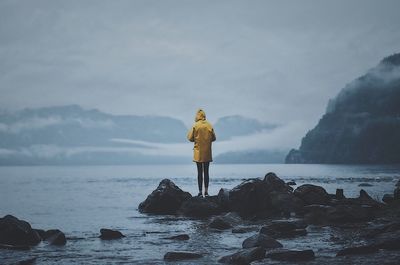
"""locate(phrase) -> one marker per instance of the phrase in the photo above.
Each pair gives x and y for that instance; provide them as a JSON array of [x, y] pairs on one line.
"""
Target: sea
[[80, 200]]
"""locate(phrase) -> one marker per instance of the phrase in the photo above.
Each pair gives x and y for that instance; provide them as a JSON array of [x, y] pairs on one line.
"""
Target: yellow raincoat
[[202, 134]]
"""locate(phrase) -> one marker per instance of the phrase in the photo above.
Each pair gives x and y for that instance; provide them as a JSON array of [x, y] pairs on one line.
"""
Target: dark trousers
[[202, 169]]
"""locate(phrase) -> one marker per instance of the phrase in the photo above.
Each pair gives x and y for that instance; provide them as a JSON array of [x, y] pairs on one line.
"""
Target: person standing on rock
[[202, 134]]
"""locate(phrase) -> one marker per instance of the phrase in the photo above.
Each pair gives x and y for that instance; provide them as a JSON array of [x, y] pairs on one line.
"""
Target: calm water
[[81, 200]]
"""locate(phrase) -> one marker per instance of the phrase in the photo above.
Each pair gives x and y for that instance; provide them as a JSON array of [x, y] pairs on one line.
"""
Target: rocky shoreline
[[268, 213]]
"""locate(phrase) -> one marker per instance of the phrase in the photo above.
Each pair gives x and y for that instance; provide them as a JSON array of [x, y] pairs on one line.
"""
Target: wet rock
[[200, 207], [365, 185], [55, 237], [388, 198], [178, 237], [390, 239], [398, 183], [181, 255], [365, 199], [17, 232], [166, 199], [225, 222], [359, 250], [291, 183], [108, 234], [312, 194], [249, 197], [245, 229], [291, 255], [339, 194], [275, 183], [284, 203], [15, 247], [41, 233], [339, 214], [245, 256], [223, 199], [261, 240], [285, 229], [27, 261], [396, 193]]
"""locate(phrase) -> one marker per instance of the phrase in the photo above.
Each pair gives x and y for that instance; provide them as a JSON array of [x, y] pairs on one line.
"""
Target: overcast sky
[[277, 61]]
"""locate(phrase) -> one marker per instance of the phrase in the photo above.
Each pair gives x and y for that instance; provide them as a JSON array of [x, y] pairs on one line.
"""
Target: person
[[202, 134]]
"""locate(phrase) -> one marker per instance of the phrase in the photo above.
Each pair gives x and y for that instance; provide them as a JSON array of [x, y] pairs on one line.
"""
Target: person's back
[[202, 134]]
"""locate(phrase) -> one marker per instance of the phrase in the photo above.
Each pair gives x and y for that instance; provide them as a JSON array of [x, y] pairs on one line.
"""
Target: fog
[[276, 61]]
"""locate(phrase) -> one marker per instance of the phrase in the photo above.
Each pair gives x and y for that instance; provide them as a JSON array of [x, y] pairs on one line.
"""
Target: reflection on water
[[82, 200]]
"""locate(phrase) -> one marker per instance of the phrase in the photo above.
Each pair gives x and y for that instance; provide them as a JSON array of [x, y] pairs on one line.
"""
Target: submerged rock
[[245, 256], [55, 237], [181, 255], [261, 240], [312, 194], [178, 237], [166, 199], [15, 232], [292, 255], [108, 234], [359, 250]]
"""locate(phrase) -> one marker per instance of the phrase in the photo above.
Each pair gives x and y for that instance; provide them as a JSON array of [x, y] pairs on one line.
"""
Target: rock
[[166, 199], [359, 250], [27, 261], [223, 199], [200, 207], [178, 237], [284, 203], [242, 230], [284, 229], [17, 232], [55, 237], [365, 185], [14, 247], [316, 214], [249, 197], [261, 240], [390, 239], [312, 194], [41, 233], [396, 193], [108, 234], [225, 221], [365, 199], [245, 256], [339, 214], [175, 256], [291, 183], [275, 183], [339, 194], [388, 198], [292, 255], [398, 183]]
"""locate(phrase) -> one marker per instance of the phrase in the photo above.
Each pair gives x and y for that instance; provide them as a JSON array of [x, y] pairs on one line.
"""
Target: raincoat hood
[[200, 115]]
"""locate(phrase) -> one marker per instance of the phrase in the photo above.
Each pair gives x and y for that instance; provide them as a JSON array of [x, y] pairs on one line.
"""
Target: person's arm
[[190, 135], [213, 137]]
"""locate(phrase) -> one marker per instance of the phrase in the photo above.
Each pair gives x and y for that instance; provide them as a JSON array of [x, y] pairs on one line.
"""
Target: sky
[[276, 61]]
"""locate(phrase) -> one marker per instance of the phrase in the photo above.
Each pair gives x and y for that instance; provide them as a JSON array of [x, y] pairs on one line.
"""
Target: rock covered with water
[[291, 255], [166, 199], [285, 229], [16, 232], [181, 255], [261, 240]]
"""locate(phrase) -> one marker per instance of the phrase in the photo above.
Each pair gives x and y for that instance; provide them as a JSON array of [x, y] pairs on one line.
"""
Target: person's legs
[[206, 165], [200, 176]]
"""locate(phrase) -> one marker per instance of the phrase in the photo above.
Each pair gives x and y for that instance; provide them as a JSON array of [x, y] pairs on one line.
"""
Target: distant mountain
[[252, 157], [236, 125], [361, 125]]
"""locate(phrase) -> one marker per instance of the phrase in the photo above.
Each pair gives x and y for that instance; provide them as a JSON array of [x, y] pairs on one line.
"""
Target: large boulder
[[166, 199], [244, 256], [396, 194], [200, 207], [275, 183], [249, 197], [261, 240], [284, 203], [339, 214], [17, 232], [312, 194]]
